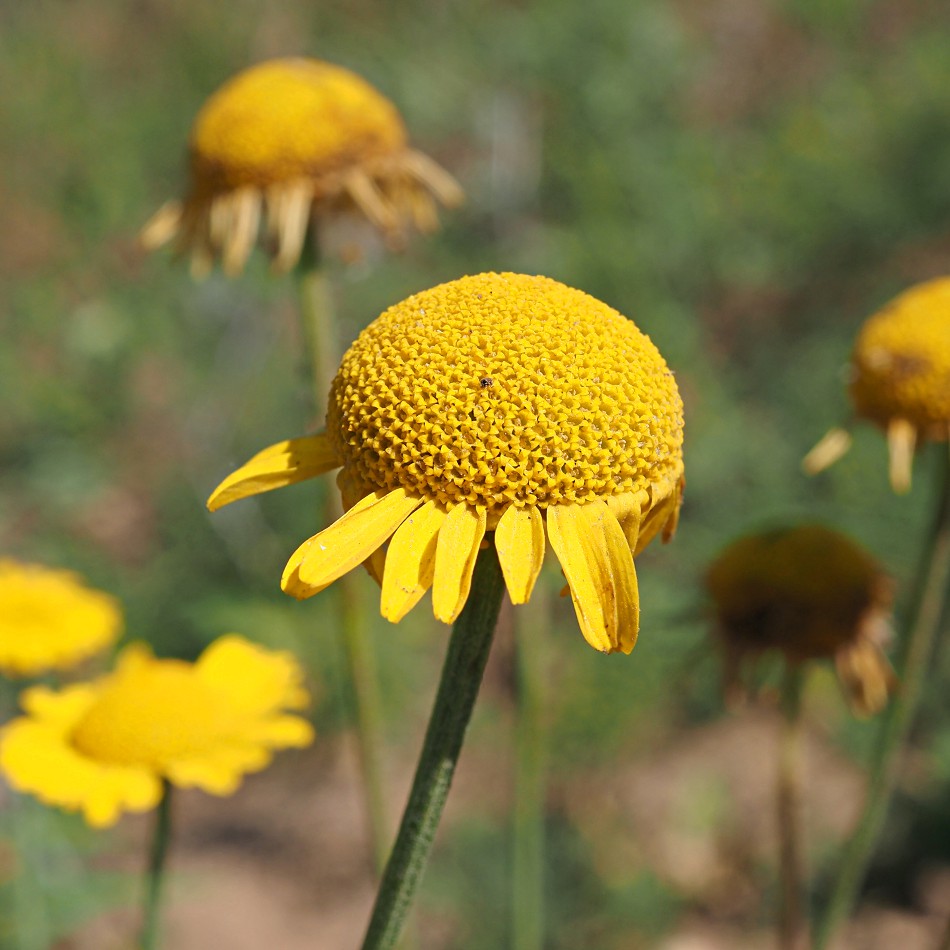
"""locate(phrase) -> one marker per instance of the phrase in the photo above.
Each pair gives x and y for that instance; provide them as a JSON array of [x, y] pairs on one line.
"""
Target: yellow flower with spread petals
[[104, 747], [809, 593], [50, 620], [502, 405], [289, 139], [900, 379]]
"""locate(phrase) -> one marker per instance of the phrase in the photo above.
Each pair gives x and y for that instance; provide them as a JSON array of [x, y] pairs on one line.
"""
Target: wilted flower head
[[900, 378], [809, 593], [289, 139], [500, 404], [50, 620], [103, 747]]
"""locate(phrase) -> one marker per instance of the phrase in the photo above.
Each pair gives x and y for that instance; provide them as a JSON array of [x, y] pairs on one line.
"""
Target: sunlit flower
[[900, 379], [499, 404], [50, 620], [809, 593], [103, 747], [289, 139]]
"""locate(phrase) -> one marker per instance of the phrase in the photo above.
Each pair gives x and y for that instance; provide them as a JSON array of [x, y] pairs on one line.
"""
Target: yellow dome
[[901, 361], [503, 389], [290, 118]]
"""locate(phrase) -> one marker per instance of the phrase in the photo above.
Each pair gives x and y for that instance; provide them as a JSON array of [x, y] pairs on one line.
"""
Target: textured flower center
[[153, 715], [902, 360], [290, 118], [504, 389]]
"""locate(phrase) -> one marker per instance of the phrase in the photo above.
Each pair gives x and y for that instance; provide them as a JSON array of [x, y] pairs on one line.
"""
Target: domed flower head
[[498, 404], [810, 593], [900, 379], [103, 747], [289, 139], [50, 620]]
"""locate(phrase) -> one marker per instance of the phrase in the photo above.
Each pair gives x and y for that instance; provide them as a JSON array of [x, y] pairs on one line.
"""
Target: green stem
[[929, 603], [319, 325], [155, 877], [528, 845], [462, 672], [792, 921]]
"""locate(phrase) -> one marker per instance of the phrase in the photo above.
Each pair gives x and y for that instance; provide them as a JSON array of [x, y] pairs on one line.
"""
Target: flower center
[[504, 389], [154, 715], [290, 118]]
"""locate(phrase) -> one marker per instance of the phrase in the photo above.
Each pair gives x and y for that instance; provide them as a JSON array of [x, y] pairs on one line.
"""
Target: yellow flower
[[810, 593], [296, 138], [103, 747], [496, 403], [49, 619], [900, 379]]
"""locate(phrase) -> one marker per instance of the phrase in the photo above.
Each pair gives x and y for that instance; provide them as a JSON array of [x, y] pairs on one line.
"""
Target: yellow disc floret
[[902, 361], [287, 119], [504, 389]]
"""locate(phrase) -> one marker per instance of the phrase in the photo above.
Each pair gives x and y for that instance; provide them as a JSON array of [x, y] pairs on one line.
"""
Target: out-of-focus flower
[[809, 593], [287, 140], [50, 620], [104, 747], [502, 404], [900, 379]]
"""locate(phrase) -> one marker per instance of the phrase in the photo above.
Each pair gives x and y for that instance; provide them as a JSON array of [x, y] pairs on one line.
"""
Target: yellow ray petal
[[597, 562], [353, 490], [456, 550], [285, 463], [831, 447], [410, 561], [519, 539], [901, 437], [628, 510], [162, 227], [319, 561]]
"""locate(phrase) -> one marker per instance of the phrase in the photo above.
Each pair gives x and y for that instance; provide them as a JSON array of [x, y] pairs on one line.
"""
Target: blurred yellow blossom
[[103, 747], [900, 379], [50, 620], [288, 139]]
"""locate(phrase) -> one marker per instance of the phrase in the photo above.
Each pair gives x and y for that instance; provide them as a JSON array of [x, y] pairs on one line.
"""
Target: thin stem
[[465, 660], [928, 607], [316, 304], [792, 921], [155, 876], [528, 845]]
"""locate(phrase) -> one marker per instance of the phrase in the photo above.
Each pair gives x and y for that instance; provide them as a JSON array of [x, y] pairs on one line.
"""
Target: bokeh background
[[746, 179]]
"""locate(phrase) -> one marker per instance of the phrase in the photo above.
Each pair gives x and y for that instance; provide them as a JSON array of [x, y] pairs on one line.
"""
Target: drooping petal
[[410, 561], [285, 463], [238, 242], [319, 561], [459, 540], [901, 438], [519, 540], [352, 490], [831, 447], [628, 510], [597, 562]]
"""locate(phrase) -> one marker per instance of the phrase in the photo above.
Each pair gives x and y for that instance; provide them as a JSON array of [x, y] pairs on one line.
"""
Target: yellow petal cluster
[[288, 138], [50, 620], [104, 747], [810, 593], [497, 407]]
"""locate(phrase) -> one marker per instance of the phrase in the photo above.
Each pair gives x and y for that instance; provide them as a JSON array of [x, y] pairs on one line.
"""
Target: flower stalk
[[929, 603], [155, 874], [462, 672], [792, 920], [530, 756], [319, 325]]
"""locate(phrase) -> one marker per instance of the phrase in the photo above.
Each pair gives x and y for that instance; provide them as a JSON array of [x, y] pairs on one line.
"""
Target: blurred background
[[747, 179]]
